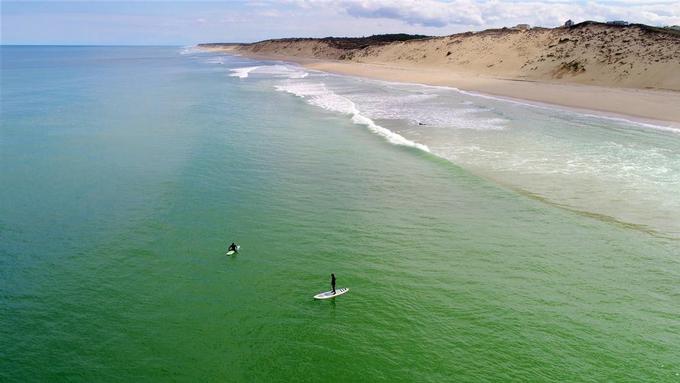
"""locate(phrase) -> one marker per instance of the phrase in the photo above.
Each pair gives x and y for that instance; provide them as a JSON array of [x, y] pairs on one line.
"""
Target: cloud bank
[[475, 13], [158, 22]]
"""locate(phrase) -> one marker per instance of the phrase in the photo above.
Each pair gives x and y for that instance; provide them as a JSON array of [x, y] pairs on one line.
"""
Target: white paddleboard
[[329, 294], [230, 252]]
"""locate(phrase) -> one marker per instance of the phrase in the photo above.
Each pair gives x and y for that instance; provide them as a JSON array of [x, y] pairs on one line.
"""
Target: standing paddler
[[333, 282]]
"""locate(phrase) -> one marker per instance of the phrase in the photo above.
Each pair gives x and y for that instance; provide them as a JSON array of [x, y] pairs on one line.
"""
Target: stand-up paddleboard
[[329, 294], [230, 252]]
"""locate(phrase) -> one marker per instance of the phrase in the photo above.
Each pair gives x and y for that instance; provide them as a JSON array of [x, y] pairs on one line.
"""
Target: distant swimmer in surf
[[233, 247], [421, 123], [333, 283]]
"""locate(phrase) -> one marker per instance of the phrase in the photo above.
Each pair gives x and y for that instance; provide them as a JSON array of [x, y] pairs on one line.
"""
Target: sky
[[153, 22]]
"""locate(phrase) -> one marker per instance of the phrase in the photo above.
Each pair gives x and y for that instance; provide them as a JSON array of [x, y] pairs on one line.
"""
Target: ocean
[[482, 239]]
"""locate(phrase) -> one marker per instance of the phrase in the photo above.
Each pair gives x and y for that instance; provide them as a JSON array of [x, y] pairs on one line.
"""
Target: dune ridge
[[632, 70]]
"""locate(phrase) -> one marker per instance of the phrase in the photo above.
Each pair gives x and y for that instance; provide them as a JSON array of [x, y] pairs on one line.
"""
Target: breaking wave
[[190, 49], [283, 71], [318, 94]]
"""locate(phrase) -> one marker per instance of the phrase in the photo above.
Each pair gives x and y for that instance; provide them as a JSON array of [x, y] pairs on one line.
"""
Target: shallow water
[[616, 169], [498, 242]]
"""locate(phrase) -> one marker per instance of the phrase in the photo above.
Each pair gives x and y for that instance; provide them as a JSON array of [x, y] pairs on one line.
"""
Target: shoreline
[[646, 106]]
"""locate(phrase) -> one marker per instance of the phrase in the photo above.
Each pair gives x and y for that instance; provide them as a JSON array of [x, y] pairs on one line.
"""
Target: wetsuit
[[333, 283]]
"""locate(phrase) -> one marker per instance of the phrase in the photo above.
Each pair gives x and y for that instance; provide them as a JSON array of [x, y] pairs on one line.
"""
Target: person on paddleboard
[[232, 247], [333, 283]]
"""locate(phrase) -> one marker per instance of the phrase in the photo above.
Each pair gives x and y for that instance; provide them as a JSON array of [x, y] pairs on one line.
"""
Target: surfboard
[[329, 294], [230, 252]]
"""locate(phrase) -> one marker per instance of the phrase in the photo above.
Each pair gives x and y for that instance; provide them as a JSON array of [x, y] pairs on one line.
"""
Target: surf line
[[318, 94]]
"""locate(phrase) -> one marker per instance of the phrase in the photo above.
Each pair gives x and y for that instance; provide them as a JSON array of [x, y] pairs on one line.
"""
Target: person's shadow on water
[[332, 309]]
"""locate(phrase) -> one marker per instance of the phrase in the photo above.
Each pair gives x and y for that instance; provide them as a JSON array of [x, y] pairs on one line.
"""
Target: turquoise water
[[483, 246]]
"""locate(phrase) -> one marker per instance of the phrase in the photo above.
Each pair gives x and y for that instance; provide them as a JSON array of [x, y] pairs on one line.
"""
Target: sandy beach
[[627, 71]]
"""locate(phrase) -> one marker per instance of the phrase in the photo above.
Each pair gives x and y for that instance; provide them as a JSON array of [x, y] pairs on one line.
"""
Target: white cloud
[[494, 13], [426, 13]]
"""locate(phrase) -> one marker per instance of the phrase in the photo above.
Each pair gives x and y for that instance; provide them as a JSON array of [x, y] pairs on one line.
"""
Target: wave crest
[[284, 71], [318, 94]]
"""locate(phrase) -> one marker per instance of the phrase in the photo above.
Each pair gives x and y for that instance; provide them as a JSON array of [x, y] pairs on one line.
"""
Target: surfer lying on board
[[333, 283], [232, 247]]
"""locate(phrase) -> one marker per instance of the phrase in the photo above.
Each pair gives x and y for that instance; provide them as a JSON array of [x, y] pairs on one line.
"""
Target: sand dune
[[643, 60]]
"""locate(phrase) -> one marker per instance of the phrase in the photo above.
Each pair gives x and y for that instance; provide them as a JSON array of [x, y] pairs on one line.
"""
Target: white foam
[[540, 105], [284, 71], [242, 72], [189, 50], [428, 109], [318, 94]]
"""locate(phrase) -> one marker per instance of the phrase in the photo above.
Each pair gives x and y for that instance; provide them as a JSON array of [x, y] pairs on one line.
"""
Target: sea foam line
[[318, 94], [582, 112], [274, 70], [242, 72], [533, 104], [189, 50]]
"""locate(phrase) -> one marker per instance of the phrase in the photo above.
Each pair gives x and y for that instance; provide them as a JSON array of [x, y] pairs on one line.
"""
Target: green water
[[125, 173]]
